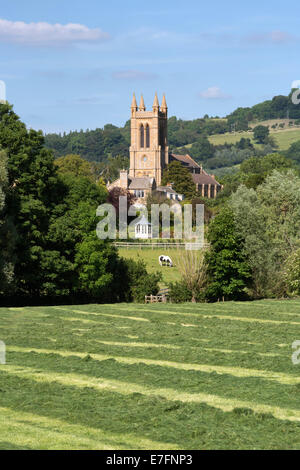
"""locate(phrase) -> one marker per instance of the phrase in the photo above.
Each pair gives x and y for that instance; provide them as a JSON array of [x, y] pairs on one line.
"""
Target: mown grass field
[[205, 376], [284, 138], [150, 256]]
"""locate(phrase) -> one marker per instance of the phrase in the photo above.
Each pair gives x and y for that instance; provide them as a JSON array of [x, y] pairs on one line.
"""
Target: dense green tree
[[293, 152], [75, 165], [93, 145], [265, 165], [268, 220], [3, 178], [35, 189], [54, 215], [228, 270], [243, 144], [202, 149], [292, 272], [261, 134], [228, 157], [110, 170], [276, 108], [280, 197], [95, 261], [181, 178], [253, 172], [140, 282], [7, 233], [251, 223]]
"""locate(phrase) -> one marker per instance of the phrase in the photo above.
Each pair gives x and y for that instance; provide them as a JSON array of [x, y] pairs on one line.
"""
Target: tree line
[[49, 251], [102, 146]]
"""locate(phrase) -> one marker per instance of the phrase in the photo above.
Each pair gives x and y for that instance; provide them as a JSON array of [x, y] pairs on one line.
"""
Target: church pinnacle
[[134, 103], [155, 102], [142, 104], [164, 107]]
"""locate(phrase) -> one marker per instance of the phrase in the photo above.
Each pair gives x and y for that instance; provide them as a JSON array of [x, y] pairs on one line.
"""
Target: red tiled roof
[[204, 178], [185, 159], [198, 178]]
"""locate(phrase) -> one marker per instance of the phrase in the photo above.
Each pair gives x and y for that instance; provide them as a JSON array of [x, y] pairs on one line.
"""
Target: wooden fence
[[150, 299], [187, 246], [162, 296]]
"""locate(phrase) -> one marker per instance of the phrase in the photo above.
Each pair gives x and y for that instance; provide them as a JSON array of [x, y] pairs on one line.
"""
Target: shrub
[[140, 282], [293, 272], [179, 292]]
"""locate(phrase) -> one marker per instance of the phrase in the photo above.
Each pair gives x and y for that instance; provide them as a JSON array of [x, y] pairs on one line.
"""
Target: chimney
[[124, 179]]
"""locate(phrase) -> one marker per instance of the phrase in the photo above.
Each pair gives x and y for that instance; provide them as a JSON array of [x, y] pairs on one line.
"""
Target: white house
[[143, 228], [169, 192]]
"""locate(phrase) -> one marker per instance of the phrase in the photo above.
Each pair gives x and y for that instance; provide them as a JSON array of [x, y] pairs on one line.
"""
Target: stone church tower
[[149, 155], [149, 151]]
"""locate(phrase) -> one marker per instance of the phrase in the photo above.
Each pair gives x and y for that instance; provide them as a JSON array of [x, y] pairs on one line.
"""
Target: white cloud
[[47, 34], [275, 37], [214, 92]]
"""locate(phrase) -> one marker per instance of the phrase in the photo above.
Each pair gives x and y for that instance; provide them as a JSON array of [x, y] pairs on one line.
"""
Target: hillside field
[[284, 138], [125, 376]]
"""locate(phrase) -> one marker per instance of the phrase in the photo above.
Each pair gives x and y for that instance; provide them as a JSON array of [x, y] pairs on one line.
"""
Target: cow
[[165, 261]]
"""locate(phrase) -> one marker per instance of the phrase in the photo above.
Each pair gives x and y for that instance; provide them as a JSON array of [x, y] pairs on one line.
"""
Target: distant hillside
[[202, 137], [283, 137], [99, 144], [279, 107], [96, 145]]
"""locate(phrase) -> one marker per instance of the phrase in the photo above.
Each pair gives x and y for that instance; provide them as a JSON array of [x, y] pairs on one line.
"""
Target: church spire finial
[[155, 102], [133, 103], [142, 104], [164, 106]]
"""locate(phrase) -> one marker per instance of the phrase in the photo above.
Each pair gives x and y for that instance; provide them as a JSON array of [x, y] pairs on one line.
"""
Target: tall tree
[[261, 134], [268, 220], [75, 165], [181, 178], [7, 233], [228, 270], [52, 213], [36, 191]]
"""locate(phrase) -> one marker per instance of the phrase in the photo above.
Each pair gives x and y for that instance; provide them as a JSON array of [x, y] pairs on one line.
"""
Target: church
[[149, 155]]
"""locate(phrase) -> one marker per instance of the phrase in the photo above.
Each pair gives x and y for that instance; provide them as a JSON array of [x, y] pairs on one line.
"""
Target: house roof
[[142, 221], [204, 178], [166, 189], [186, 159], [140, 183], [198, 178]]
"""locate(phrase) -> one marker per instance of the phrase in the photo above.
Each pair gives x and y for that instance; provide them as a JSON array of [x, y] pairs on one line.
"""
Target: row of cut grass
[[160, 376]]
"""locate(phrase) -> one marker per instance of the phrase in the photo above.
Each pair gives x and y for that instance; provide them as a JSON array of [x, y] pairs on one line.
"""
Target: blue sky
[[71, 64]]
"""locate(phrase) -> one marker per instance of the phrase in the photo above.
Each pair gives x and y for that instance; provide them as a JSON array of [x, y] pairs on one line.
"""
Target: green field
[[284, 138], [150, 256], [124, 376]]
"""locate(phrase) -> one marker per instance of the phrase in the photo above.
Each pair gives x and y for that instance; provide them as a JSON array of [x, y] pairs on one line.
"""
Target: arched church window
[[147, 136], [142, 136]]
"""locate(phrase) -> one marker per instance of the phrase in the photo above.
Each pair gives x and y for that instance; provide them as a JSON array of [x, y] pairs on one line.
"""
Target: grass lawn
[[123, 376], [150, 256]]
